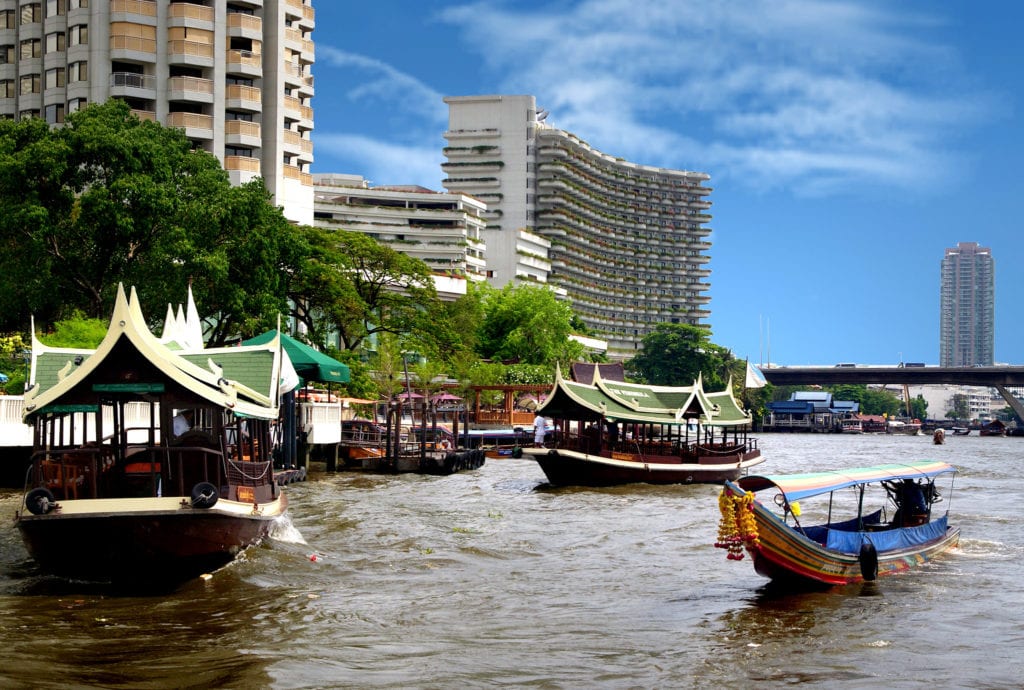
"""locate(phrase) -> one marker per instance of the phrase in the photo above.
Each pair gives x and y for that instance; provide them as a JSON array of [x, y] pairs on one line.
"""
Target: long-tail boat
[[872, 522]]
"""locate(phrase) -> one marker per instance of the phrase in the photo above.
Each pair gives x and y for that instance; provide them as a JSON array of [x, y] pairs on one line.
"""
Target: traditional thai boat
[[894, 523], [113, 493], [614, 432], [939, 437]]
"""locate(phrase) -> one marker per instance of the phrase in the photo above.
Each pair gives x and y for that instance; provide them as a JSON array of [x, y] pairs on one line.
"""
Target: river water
[[491, 578]]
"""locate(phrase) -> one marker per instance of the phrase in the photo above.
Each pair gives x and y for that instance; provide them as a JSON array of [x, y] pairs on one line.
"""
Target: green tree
[[676, 354], [919, 408], [110, 199], [874, 401], [528, 324], [357, 287]]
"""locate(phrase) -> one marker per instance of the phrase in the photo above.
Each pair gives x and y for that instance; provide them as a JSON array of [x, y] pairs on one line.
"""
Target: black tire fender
[[868, 559], [204, 495], [40, 501]]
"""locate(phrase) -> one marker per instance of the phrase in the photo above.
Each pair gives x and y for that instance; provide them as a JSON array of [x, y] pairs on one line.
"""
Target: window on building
[[78, 4], [7, 19], [31, 48], [55, 8], [55, 113], [31, 13], [7, 88], [55, 42], [54, 78], [26, 114], [76, 104], [6, 55], [79, 35], [78, 71], [29, 84], [238, 151]]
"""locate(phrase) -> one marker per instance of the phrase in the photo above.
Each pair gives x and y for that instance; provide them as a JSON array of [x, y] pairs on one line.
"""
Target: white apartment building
[[443, 229], [628, 244], [235, 76]]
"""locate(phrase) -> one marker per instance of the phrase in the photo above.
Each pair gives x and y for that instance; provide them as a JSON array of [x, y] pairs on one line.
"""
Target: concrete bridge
[[992, 377]]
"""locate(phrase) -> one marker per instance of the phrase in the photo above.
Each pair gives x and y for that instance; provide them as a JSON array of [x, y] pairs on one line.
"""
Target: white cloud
[[380, 81], [385, 163], [769, 92]]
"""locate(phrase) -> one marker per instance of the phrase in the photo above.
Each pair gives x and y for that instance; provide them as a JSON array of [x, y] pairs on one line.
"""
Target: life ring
[[204, 495], [40, 501]]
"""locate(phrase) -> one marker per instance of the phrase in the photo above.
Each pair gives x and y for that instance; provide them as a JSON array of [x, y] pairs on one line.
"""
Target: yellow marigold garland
[[737, 526]]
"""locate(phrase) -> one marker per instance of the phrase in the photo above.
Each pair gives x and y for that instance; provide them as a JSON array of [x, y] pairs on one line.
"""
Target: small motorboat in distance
[[890, 522]]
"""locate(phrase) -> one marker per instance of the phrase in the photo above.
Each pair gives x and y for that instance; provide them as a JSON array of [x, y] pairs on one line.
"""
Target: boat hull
[[572, 468], [136, 539], [782, 554]]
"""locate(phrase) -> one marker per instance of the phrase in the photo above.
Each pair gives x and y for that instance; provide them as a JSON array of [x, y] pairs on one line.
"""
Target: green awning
[[309, 364]]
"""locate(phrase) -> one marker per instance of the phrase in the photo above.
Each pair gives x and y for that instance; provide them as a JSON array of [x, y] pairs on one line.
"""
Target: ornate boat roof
[[621, 401], [131, 360]]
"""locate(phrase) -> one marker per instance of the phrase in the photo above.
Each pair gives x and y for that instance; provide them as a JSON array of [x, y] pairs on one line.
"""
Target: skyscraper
[[235, 76], [628, 242], [967, 303]]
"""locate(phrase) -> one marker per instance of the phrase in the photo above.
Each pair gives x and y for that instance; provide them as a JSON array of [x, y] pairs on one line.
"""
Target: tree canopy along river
[[491, 578]]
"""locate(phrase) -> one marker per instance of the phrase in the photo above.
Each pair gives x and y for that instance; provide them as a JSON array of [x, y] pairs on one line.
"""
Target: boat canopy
[[619, 401], [131, 361], [799, 486]]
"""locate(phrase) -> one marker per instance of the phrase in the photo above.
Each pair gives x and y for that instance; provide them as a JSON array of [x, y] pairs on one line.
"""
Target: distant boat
[[609, 433], [993, 428], [892, 526], [851, 426], [960, 430]]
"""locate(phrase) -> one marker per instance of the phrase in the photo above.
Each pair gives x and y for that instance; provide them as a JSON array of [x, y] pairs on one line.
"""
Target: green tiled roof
[[633, 402]]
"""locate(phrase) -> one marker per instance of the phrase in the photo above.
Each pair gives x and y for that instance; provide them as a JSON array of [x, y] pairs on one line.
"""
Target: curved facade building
[[628, 242]]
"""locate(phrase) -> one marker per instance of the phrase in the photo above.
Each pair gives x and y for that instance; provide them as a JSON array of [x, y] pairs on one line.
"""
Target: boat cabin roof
[[799, 486], [621, 401], [132, 363]]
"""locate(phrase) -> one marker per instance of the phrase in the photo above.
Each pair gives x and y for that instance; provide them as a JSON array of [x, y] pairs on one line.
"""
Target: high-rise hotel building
[[628, 242], [234, 75], [967, 307]]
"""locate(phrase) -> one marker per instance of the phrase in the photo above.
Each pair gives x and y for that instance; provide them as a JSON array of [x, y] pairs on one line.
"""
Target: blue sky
[[849, 142]]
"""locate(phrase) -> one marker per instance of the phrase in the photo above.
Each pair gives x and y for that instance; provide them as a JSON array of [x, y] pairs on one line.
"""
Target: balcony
[[245, 26], [180, 51], [188, 14], [242, 164], [132, 85], [132, 48], [196, 125], [239, 97], [296, 145], [138, 8], [244, 62], [242, 133], [190, 89]]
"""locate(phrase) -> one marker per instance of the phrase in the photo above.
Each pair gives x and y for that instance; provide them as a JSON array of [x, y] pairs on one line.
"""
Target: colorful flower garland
[[737, 526]]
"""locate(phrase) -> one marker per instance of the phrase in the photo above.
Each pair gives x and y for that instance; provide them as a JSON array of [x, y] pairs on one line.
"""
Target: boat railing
[[588, 441], [104, 471]]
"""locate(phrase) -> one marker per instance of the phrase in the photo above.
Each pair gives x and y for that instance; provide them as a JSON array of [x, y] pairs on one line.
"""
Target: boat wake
[[981, 548], [284, 530]]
